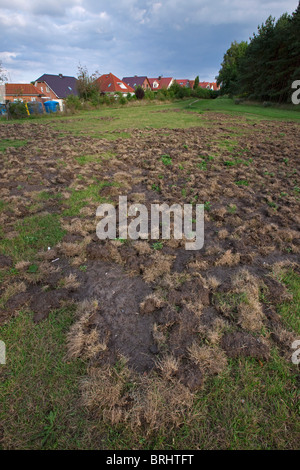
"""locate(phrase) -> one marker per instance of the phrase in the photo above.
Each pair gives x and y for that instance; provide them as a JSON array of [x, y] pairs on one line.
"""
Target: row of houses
[[57, 87]]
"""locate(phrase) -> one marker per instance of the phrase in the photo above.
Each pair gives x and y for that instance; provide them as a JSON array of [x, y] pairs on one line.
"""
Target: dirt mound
[[240, 344]]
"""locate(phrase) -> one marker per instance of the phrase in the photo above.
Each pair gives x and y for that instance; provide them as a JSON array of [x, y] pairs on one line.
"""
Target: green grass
[[33, 234], [250, 110], [44, 412], [47, 196], [252, 406], [290, 312], [5, 143], [3, 205], [79, 199], [149, 116], [84, 159]]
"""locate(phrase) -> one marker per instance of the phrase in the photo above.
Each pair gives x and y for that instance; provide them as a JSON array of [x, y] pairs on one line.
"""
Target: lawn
[[126, 344]]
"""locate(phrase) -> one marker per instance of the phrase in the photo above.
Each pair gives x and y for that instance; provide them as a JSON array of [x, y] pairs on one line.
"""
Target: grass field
[[142, 344]]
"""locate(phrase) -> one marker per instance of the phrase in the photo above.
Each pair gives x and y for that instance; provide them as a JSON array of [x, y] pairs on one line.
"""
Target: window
[[33, 99], [122, 85], [42, 89], [47, 89], [70, 88]]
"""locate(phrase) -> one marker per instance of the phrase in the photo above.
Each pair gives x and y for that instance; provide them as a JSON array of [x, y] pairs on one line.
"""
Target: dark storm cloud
[[168, 37]]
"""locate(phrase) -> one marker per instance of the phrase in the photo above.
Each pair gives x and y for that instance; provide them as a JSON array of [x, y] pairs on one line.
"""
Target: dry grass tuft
[[161, 265], [22, 265], [222, 234], [168, 366], [198, 265], [250, 314], [159, 334], [84, 339], [212, 283], [151, 303], [70, 282], [214, 333], [70, 249], [12, 290], [228, 259], [143, 248], [151, 403], [211, 360]]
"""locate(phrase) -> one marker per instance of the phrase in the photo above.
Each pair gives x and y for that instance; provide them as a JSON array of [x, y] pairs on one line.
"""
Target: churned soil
[[157, 300]]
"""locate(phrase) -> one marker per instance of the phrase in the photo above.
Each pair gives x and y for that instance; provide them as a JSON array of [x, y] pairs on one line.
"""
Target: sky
[[172, 38]]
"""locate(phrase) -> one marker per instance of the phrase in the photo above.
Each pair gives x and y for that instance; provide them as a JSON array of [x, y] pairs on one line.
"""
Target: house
[[56, 87], [109, 83], [22, 92], [160, 82], [136, 81], [185, 83], [209, 85]]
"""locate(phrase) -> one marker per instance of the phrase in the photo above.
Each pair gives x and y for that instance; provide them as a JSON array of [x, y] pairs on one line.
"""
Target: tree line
[[265, 68]]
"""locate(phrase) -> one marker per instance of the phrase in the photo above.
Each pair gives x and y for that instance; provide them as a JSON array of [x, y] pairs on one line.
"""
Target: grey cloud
[[168, 37]]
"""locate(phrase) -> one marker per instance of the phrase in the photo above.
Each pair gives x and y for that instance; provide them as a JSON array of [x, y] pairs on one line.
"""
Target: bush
[[73, 102], [17, 110], [122, 100], [179, 92], [139, 93], [214, 94], [161, 96], [149, 95], [203, 93]]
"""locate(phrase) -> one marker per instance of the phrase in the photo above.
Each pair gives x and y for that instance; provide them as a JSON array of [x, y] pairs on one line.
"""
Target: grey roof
[[60, 84], [134, 81]]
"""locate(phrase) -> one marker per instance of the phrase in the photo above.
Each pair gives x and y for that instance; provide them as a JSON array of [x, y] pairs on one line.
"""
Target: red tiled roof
[[163, 82], [211, 85], [183, 82], [19, 89], [111, 83]]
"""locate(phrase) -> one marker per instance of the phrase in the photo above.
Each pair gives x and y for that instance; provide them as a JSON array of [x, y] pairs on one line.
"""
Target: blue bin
[[35, 107], [51, 106]]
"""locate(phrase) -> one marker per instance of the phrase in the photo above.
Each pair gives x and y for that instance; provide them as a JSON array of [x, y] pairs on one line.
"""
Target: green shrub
[[73, 102], [17, 110], [139, 93], [149, 95], [203, 93], [122, 100]]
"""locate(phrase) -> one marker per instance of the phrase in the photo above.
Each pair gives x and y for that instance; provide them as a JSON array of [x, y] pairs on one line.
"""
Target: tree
[[228, 74], [139, 92], [272, 60], [86, 84], [196, 83]]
